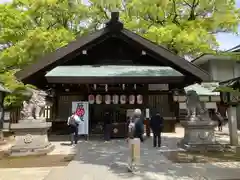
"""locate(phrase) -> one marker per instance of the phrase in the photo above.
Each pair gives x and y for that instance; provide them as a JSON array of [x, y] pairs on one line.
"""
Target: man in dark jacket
[[156, 124], [107, 126]]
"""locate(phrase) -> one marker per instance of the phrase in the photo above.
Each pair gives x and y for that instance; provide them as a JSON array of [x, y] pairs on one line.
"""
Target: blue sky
[[225, 40]]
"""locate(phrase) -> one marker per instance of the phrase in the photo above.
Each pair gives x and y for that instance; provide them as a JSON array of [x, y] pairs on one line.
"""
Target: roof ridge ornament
[[114, 24]]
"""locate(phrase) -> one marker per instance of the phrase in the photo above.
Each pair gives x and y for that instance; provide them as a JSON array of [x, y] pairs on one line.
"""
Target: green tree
[[31, 28], [186, 27]]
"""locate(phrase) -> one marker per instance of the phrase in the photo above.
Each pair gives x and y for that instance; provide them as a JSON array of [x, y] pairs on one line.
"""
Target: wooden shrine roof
[[113, 28]]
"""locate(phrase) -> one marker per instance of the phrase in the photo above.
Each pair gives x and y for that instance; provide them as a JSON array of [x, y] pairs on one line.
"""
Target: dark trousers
[[157, 138], [74, 134], [107, 130]]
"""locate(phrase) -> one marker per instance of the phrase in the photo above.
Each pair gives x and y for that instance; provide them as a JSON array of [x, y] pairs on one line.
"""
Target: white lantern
[[98, 99], [123, 99], [139, 99], [131, 99], [115, 99], [107, 99], [91, 99]]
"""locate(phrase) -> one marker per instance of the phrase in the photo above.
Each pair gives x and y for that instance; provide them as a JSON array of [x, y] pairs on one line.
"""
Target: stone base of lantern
[[31, 138], [199, 136]]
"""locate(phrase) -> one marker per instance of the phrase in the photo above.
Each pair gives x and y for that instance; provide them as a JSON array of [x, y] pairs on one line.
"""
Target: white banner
[[81, 109]]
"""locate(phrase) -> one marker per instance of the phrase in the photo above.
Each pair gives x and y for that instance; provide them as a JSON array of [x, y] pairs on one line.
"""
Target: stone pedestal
[[199, 135], [31, 138]]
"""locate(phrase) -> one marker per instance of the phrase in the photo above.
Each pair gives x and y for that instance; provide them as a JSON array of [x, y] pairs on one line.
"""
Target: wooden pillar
[[232, 124]]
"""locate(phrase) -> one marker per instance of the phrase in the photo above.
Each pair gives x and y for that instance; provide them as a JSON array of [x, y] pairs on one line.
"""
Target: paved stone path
[[98, 160]]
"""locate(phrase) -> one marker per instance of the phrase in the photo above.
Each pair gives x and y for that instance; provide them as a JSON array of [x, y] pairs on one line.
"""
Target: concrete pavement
[[98, 160]]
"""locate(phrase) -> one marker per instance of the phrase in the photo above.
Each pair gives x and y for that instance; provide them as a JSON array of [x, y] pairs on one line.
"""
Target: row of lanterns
[[115, 99]]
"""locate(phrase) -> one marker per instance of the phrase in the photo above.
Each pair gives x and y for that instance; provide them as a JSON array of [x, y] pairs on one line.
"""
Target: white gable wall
[[224, 70]]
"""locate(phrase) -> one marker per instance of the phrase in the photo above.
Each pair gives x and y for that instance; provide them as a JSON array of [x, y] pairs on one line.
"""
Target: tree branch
[[192, 15], [175, 13]]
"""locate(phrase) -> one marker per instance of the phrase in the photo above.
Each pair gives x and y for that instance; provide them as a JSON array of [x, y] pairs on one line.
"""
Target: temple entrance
[[118, 116]]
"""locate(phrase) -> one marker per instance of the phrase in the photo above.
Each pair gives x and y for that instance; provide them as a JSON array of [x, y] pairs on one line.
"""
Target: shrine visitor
[[138, 124], [135, 135], [73, 123], [156, 124], [220, 120], [107, 126]]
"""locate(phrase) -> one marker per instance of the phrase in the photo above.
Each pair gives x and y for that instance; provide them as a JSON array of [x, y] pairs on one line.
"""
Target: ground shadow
[[113, 157]]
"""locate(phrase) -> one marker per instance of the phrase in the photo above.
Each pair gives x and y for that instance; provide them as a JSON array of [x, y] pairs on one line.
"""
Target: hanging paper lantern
[[98, 99], [115, 99], [107, 99], [91, 99], [131, 99], [123, 99], [139, 99]]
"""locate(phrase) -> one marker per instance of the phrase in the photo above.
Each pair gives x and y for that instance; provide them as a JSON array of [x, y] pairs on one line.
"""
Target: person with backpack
[[135, 135], [138, 124], [73, 124]]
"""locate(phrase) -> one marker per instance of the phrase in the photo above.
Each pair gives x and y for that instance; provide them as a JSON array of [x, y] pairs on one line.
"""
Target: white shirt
[[75, 117]]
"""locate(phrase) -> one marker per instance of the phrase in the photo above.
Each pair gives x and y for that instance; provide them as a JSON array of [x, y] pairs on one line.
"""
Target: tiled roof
[[204, 89]]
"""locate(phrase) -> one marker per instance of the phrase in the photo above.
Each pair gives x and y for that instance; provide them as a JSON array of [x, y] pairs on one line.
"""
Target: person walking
[[156, 124], [138, 124], [135, 135], [220, 121], [73, 124]]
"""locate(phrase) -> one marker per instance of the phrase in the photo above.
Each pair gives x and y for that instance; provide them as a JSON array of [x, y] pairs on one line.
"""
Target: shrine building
[[115, 70]]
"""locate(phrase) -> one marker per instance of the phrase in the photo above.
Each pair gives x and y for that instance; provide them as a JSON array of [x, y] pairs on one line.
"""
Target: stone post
[[238, 116], [232, 124]]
